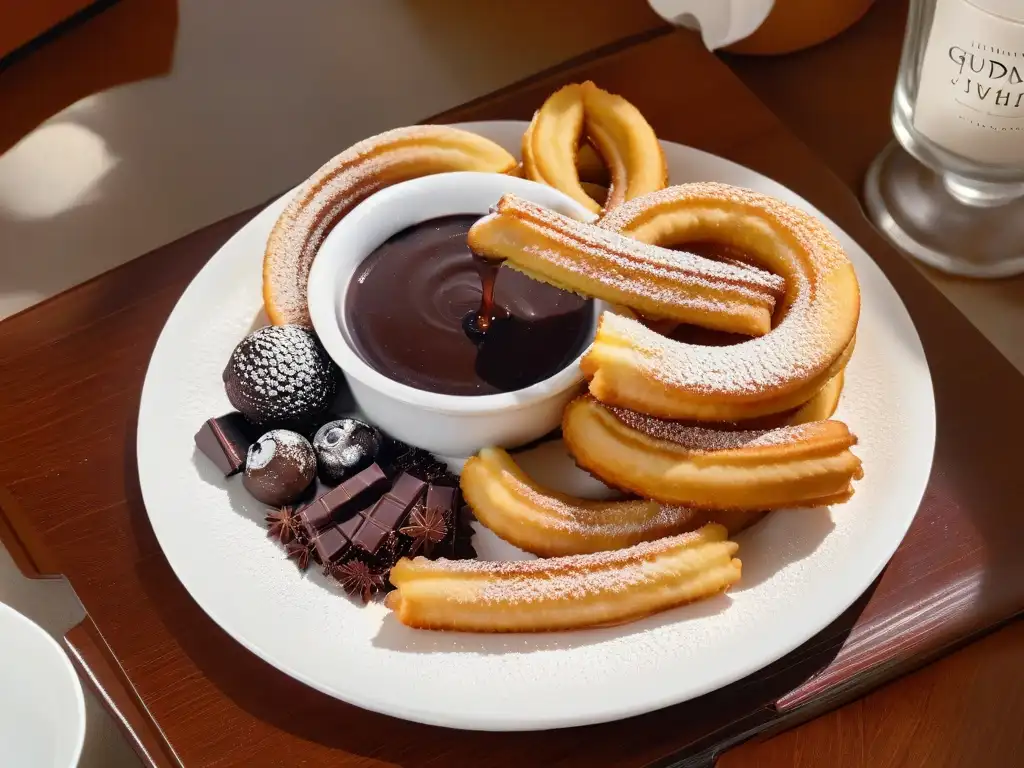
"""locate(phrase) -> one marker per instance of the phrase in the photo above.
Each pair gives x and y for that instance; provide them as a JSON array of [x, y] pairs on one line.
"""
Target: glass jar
[[951, 192]]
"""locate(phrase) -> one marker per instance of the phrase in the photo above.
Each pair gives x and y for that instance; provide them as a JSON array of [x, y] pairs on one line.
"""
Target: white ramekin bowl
[[450, 425]]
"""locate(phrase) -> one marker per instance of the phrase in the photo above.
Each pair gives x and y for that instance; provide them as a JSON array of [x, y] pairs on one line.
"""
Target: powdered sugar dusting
[[804, 343], [601, 240], [812, 235], [600, 257], [579, 576], [614, 518], [572, 564], [704, 440], [294, 450], [344, 182]]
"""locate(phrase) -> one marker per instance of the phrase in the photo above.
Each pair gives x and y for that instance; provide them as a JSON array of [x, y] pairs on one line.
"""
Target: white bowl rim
[[17, 617], [322, 290]]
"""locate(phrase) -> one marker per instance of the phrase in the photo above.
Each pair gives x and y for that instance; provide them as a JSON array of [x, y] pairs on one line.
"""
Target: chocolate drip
[[422, 310]]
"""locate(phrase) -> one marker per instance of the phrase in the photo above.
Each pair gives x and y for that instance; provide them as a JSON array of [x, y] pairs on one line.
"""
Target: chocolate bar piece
[[330, 544], [369, 529], [225, 440], [350, 526], [336, 502], [443, 497], [334, 541], [390, 512], [370, 537], [314, 517]]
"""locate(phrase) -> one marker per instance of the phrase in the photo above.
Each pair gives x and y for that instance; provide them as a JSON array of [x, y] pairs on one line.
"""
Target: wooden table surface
[[74, 366]]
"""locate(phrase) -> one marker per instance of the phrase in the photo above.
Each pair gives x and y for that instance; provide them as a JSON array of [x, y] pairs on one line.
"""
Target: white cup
[[42, 710], [448, 425]]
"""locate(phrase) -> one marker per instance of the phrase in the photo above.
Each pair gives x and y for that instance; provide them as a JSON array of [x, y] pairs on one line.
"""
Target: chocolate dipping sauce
[[412, 305]]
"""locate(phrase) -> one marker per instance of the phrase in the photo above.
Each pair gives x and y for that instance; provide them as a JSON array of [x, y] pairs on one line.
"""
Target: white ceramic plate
[[42, 709], [801, 569]]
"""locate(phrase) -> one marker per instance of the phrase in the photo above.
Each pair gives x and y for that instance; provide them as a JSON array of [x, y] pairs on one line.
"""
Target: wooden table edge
[[101, 672]]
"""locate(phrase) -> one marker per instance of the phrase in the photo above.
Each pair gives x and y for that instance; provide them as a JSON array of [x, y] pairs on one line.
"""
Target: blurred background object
[[42, 708], [950, 190], [796, 24], [763, 26]]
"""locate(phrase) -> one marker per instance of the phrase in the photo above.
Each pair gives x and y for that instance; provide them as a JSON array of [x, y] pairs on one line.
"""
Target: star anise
[[427, 527], [282, 524], [300, 552], [356, 578]]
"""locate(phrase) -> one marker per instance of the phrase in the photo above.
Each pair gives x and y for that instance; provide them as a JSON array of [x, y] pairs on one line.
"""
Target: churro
[[632, 366], [564, 592], [623, 139], [591, 167], [593, 261], [551, 524], [821, 407], [803, 466], [347, 180], [626, 143]]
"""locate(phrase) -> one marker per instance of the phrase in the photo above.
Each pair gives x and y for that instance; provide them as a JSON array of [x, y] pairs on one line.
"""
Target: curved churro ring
[[821, 407], [632, 366], [347, 180], [551, 524], [622, 137], [595, 262], [564, 592], [804, 466], [591, 168]]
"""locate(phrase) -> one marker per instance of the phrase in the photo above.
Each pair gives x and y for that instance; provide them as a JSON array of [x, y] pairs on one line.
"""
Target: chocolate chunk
[[338, 501], [314, 517], [330, 544], [442, 497], [351, 525], [434, 529], [225, 440], [394, 505], [370, 536], [388, 514]]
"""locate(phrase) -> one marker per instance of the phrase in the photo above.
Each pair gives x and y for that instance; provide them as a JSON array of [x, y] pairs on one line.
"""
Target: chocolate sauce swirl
[[410, 309]]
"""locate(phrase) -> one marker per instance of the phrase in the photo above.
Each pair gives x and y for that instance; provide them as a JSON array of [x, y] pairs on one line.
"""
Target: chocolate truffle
[[280, 375], [279, 468], [345, 447]]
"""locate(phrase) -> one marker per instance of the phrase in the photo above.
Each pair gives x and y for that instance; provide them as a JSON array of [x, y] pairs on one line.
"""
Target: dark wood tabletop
[[72, 370]]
